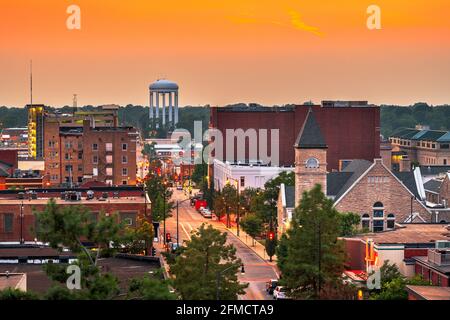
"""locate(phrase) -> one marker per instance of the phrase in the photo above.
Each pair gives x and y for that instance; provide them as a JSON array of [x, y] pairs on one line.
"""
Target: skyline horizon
[[225, 51]]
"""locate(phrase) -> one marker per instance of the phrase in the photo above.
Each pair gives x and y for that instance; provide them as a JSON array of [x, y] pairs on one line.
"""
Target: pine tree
[[206, 259], [312, 257]]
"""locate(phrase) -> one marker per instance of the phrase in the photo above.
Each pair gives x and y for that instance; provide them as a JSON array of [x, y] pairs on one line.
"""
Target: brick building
[[381, 197], [76, 155], [403, 247], [351, 130], [17, 219], [424, 146]]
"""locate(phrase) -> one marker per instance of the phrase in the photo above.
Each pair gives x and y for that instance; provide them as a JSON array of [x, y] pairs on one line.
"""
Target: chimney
[[405, 164]]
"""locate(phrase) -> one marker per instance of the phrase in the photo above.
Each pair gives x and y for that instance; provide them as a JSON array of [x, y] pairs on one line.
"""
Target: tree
[[348, 223], [393, 283], [205, 259], [230, 198], [16, 294], [149, 288], [271, 246], [139, 239], [252, 225], [313, 256], [219, 205]]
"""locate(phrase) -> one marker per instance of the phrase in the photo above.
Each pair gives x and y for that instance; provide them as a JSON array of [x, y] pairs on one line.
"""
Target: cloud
[[297, 23], [294, 22]]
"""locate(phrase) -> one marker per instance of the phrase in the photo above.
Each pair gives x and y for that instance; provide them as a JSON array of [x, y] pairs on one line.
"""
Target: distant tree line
[[392, 117]]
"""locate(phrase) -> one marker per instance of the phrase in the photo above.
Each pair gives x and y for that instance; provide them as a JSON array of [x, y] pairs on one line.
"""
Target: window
[[445, 161], [390, 221], [109, 171], [242, 181], [365, 220], [312, 163], [80, 168], [129, 219], [95, 172], [124, 159], [67, 156], [68, 145], [80, 179], [109, 158], [378, 225], [95, 159], [378, 205], [80, 155], [109, 146], [69, 168], [124, 182], [94, 147], [124, 147], [124, 172], [8, 222]]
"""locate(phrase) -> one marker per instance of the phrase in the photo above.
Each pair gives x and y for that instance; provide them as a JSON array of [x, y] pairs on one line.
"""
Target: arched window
[[378, 217], [312, 163], [378, 205], [390, 221], [365, 221]]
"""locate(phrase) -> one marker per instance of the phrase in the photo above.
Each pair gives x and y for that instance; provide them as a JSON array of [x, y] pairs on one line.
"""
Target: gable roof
[[445, 138], [433, 185], [429, 135], [342, 181], [310, 136], [405, 133], [408, 179]]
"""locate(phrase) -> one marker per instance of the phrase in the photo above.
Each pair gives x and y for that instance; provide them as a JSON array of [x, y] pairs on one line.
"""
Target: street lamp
[[219, 273], [22, 241]]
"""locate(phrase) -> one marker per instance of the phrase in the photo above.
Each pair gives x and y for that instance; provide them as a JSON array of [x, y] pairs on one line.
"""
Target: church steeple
[[310, 135], [310, 158]]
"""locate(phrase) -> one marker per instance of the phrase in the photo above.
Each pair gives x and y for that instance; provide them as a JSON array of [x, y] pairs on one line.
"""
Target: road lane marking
[[184, 229]]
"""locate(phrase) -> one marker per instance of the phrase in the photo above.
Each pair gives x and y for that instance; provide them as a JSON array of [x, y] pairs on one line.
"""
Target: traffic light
[[153, 251], [271, 235], [168, 237]]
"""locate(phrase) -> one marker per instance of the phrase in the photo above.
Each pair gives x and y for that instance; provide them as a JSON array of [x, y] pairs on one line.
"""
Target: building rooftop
[[11, 280], [310, 135], [425, 134], [429, 292], [409, 233], [434, 170], [83, 201], [433, 185]]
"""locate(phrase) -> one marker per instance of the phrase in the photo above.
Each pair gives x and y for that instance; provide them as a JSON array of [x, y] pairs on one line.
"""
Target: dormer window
[[312, 163]]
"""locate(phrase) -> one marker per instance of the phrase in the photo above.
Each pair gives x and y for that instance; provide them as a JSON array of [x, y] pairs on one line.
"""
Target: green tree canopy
[[205, 257], [312, 257]]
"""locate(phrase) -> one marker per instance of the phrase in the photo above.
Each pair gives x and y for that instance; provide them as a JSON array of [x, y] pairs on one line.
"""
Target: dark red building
[[351, 128]]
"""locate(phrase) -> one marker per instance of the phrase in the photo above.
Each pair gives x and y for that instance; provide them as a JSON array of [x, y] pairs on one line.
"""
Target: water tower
[[159, 90]]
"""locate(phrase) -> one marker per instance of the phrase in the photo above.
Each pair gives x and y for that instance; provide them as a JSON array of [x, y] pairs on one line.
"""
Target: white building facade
[[247, 175]]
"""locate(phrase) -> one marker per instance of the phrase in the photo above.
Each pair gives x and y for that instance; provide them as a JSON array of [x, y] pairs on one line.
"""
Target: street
[[257, 270]]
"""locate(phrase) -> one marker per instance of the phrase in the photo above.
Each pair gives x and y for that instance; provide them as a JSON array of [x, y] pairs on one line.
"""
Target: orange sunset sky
[[225, 51]]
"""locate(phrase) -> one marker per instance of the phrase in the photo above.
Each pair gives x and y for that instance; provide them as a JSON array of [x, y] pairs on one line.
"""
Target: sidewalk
[[255, 246]]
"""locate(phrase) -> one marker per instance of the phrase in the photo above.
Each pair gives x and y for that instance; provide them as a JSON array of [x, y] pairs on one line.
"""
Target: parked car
[[206, 213], [200, 209], [279, 293], [271, 285]]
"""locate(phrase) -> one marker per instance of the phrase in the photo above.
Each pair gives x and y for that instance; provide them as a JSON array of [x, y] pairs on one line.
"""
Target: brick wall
[[350, 132], [390, 192], [307, 178], [28, 224]]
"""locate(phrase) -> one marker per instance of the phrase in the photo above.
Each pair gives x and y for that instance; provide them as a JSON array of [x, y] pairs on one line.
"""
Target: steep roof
[[429, 135], [408, 179], [310, 136], [433, 185], [290, 196], [445, 138], [353, 171], [405, 133]]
